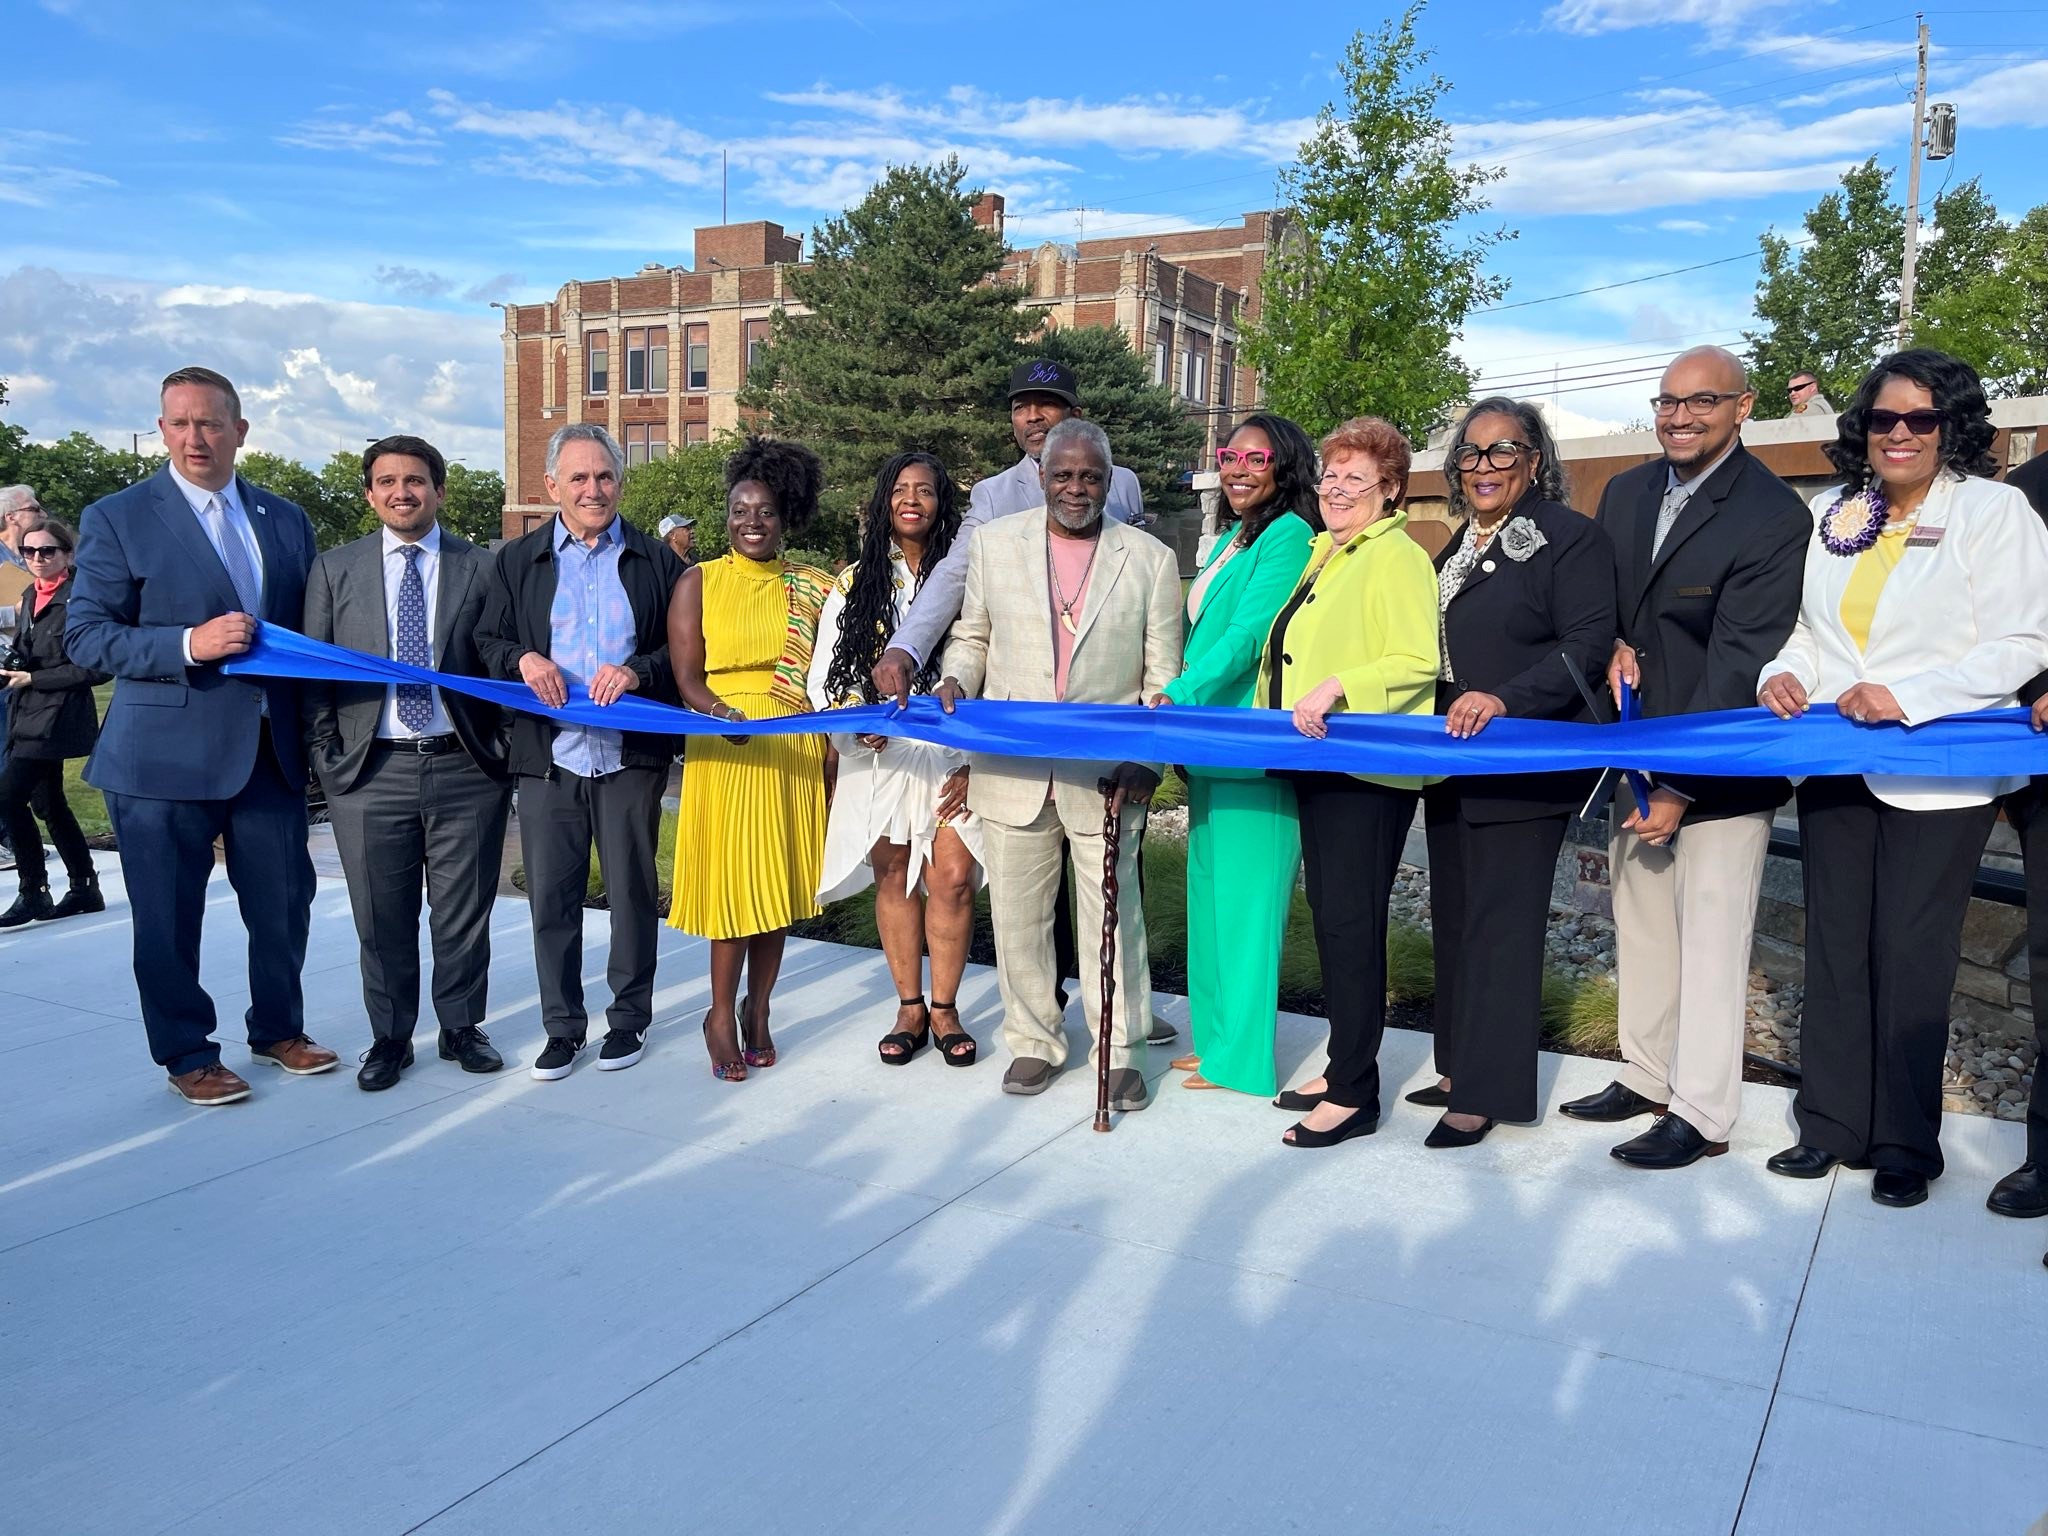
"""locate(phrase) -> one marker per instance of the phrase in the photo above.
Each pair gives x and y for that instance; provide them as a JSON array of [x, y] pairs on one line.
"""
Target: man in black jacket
[[584, 599], [1710, 553]]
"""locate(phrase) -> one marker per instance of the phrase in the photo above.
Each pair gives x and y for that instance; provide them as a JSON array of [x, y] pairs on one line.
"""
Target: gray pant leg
[[465, 813], [554, 839], [626, 818]]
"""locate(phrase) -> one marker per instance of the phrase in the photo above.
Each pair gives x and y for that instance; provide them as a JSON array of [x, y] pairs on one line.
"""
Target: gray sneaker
[[1127, 1088], [1028, 1075], [1162, 1033]]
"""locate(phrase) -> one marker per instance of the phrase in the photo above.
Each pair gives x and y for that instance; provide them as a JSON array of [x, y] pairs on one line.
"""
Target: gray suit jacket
[[1016, 489], [345, 606]]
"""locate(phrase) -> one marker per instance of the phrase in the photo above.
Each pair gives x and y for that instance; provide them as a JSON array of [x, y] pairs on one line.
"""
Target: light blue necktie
[[234, 554]]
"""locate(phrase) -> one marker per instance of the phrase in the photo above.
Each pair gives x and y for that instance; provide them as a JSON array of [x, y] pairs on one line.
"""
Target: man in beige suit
[[1062, 605]]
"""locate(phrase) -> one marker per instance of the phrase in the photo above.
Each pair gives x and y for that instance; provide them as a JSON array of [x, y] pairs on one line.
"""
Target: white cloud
[[1589, 18], [315, 374], [1684, 226], [32, 172], [398, 137]]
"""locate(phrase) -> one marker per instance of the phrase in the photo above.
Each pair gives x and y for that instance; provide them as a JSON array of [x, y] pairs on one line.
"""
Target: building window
[[647, 361], [697, 342], [695, 432], [757, 342], [1226, 374], [599, 347], [1162, 354], [644, 441], [1195, 370]]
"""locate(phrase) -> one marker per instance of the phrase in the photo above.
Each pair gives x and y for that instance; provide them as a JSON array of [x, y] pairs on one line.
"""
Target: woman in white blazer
[[1926, 594]]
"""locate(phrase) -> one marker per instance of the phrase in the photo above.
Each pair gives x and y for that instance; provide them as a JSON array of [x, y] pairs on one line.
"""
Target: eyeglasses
[[1919, 423], [1701, 404], [1469, 454], [1254, 459], [42, 551], [1350, 488]]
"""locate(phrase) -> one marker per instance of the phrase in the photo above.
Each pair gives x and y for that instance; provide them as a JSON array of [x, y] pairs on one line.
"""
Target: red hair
[[1375, 436]]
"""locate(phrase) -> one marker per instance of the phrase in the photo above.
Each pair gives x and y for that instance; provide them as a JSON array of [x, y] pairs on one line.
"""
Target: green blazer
[[1221, 657]]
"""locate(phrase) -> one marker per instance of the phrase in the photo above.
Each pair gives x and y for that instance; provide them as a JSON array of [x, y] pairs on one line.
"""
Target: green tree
[[1995, 314], [1368, 284], [1150, 431], [475, 504], [906, 344], [690, 482]]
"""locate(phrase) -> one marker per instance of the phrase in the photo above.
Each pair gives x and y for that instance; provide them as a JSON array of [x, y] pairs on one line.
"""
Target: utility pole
[[1913, 194]]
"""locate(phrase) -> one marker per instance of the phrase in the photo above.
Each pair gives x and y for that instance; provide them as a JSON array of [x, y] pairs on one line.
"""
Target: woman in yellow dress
[[750, 837]]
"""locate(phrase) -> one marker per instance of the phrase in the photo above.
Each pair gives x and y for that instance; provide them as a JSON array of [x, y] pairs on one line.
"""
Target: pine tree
[[1150, 432], [906, 345], [1365, 293]]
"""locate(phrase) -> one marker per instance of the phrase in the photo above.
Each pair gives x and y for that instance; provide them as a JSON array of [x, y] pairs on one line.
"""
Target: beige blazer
[[1128, 649]]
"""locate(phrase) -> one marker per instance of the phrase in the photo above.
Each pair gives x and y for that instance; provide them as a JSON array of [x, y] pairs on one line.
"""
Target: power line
[[1630, 282]]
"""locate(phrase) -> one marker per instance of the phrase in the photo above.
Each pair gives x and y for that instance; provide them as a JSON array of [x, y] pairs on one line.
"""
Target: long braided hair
[[869, 617]]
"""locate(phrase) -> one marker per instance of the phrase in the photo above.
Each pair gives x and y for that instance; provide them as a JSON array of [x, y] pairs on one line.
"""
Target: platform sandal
[[907, 1045], [958, 1049]]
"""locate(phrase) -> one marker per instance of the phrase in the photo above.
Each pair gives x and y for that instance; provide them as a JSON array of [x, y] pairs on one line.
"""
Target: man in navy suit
[[173, 575]]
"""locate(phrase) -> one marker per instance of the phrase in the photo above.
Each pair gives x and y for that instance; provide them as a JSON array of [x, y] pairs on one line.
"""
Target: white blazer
[[1959, 626]]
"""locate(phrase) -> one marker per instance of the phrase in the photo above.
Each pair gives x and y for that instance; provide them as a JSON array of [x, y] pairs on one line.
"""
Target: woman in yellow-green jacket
[[1358, 635], [1243, 845]]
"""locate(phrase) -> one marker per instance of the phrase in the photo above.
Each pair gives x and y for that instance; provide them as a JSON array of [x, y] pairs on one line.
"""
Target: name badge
[[1925, 538], [1695, 591]]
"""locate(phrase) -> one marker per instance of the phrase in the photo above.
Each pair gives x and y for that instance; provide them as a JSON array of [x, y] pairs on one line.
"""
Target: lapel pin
[[1486, 565]]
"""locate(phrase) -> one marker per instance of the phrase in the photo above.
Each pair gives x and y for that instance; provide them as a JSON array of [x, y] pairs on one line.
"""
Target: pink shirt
[[1073, 562]]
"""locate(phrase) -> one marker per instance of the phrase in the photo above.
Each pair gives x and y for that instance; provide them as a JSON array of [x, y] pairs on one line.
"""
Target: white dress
[[892, 794]]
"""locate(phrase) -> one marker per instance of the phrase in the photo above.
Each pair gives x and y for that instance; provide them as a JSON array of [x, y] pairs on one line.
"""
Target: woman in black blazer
[[1526, 593], [50, 717]]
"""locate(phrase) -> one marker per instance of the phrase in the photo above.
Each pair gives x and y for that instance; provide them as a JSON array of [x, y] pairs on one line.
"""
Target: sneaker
[[1161, 1032], [622, 1047], [558, 1060]]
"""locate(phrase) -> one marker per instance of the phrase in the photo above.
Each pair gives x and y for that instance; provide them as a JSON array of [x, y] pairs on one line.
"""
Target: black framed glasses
[[1500, 455], [42, 551], [1884, 423], [1704, 403]]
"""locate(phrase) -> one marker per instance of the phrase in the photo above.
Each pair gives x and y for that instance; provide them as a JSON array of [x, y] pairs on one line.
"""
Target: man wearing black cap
[[1043, 393]]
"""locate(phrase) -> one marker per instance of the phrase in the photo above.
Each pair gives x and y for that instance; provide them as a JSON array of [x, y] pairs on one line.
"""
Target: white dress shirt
[[389, 726], [237, 517]]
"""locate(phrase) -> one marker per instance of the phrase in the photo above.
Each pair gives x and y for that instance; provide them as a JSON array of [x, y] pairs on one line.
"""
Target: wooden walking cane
[[1111, 832]]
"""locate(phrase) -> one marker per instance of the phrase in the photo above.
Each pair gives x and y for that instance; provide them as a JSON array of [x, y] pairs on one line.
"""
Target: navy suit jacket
[[146, 574]]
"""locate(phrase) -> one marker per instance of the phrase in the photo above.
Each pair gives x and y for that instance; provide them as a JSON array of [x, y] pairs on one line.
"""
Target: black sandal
[[1360, 1124], [907, 1045], [959, 1049], [1299, 1103]]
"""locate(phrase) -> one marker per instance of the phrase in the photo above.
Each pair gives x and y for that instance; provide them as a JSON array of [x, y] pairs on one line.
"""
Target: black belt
[[421, 746]]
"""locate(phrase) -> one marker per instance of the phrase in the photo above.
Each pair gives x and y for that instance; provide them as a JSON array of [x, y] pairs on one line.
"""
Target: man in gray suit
[[416, 780]]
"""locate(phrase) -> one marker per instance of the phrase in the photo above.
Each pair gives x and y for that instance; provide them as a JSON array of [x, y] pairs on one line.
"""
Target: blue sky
[[323, 199]]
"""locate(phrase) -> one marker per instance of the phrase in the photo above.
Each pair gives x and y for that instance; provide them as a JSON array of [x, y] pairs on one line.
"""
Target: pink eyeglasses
[[1254, 459]]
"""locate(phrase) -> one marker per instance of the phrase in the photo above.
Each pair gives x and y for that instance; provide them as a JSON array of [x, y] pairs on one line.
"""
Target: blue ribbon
[[1735, 743]]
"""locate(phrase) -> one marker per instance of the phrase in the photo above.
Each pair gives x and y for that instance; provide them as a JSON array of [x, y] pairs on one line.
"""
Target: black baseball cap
[[1043, 376]]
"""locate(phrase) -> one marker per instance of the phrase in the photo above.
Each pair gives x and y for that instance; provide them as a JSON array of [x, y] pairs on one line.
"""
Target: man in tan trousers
[[1062, 605]]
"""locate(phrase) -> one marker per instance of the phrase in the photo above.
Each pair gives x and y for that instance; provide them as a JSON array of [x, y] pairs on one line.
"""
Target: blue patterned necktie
[[415, 700]]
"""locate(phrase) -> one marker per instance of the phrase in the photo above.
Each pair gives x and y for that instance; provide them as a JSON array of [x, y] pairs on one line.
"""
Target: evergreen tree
[[1151, 432], [906, 345], [1367, 287]]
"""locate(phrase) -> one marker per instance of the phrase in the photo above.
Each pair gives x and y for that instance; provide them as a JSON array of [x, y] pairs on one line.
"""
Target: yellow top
[[1866, 582]]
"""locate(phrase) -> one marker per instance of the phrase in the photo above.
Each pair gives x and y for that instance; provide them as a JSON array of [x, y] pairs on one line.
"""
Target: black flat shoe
[[1613, 1102], [1435, 1096], [1363, 1122], [1671, 1143], [1298, 1103], [1442, 1135], [2022, 1193], [906, 1044], [1898, 1188], [1803, 1162]]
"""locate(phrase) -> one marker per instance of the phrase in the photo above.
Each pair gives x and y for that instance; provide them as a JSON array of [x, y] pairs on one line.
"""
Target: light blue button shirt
[[590, 626]]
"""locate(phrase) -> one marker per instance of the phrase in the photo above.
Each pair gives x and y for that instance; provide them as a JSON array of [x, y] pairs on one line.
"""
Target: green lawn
[[86, 803]]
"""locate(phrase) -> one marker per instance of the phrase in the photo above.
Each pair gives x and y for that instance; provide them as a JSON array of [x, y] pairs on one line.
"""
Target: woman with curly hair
[[750, 836], [899, 812], [1244, 843], [1525, 597], [1926, 594]]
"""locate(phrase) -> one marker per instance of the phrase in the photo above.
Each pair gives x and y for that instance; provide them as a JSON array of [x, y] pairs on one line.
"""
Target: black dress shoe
[[1442, 1135], [1803, 1162], [471, 1047], [382, 1064], [1435, 1096], [1897, 1187], [1670, 1143], [1613, 1102], [2023, 1192]]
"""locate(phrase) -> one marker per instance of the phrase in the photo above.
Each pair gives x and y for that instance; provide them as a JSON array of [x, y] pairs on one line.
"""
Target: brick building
[[659, 357]]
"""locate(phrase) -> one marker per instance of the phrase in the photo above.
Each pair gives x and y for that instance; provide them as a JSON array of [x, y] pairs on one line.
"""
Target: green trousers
[[1244, 851]]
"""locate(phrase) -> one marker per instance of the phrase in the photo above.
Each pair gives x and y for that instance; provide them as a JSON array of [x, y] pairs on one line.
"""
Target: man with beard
[[1061, 604]]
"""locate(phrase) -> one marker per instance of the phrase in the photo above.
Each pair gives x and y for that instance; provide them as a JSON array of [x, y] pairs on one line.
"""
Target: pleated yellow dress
[[750, 836]]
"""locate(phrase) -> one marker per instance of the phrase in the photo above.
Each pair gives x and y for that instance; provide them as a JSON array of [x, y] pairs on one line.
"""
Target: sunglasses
[[1254, 459], [1919, 423], [41, 551]]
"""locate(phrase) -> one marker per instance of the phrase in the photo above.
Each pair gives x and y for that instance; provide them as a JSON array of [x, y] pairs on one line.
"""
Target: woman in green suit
[[1237, 910]]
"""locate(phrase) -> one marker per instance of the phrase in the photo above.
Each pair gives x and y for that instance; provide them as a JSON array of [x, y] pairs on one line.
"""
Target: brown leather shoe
[[207, 1086], [298, 1056]]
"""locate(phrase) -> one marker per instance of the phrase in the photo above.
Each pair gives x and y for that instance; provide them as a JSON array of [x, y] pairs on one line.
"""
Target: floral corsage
[[1521, 538], [1853, 523]]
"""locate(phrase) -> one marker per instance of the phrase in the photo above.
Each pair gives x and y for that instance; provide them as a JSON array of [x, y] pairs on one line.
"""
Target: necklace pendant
[[1067, 622]]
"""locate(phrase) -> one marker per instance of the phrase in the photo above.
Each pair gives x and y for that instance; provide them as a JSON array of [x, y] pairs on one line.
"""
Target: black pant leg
[[1446, 920], [1354, 832], [49, 801], [270, 866], [464, 813], [1065, 957], [1509, 870], [1838, 867], [554, 842], [626, 822], [2027, 809], [20, 780], [1926, 864], [166, 860]]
